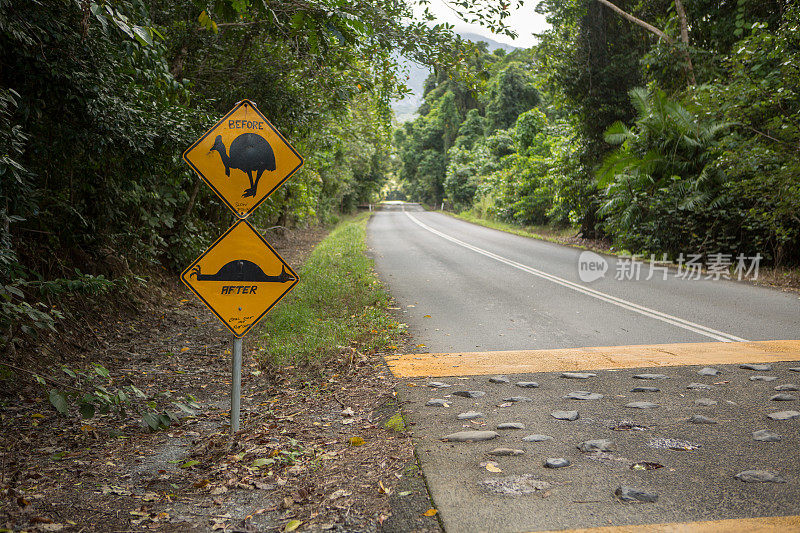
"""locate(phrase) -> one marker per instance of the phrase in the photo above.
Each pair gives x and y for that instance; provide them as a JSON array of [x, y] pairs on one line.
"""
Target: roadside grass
[[339, 305]]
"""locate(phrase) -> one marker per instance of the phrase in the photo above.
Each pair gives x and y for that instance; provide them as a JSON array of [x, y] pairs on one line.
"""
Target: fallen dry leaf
[[430, 512]]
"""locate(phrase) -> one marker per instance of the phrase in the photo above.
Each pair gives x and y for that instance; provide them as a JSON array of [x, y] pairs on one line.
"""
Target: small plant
[[93, 392]]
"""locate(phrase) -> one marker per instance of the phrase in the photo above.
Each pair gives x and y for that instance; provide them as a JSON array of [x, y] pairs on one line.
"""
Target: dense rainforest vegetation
[[666, 126]]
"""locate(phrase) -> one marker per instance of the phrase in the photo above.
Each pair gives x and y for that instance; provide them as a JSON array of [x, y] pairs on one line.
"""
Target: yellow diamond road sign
[[243, 158], [240, 277]]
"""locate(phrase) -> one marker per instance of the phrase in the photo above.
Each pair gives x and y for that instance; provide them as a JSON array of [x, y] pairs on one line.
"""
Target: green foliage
[[510, 93]]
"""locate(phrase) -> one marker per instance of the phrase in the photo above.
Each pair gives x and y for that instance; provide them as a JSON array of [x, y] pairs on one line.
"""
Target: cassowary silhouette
[[249, 153], [241, 270]]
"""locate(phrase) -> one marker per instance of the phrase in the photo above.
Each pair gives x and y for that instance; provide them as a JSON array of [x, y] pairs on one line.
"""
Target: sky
[[525, 21]]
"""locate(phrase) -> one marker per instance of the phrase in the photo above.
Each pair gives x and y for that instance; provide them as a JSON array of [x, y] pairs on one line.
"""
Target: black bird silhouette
[[249, 153], [241, 270]]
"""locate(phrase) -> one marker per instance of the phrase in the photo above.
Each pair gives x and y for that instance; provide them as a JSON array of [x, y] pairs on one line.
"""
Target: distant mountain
[[406, 109]]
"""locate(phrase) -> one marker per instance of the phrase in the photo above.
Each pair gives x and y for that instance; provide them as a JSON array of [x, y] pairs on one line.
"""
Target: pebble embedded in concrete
[[537, 438], [699, 386], [578, 375], [765, 435], [700, 419], [705, 402], [758, 367], [438, 385], [511, 425], [556, 462], [565, 415], [783, 397], [471, 436], [631, 494], [784, 415], [514, 485], [469, 393], [708, 371], [527, 384], [763, 378], [470, 415], [437, 402], [641, 405], [596, 445], [518, 399], [645, 389], [583, 395], [506, 452], [759, 476], [650, 376], [499, 379], [788, 386]]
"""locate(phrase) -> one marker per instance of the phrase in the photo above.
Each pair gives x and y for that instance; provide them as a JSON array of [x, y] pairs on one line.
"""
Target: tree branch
[[640, 22]]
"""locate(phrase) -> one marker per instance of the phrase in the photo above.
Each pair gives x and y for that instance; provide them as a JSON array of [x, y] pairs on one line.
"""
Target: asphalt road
[[463, 287], [481, 302]]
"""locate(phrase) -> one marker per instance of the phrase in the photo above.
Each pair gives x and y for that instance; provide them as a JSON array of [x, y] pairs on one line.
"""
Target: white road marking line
[[625, 304]]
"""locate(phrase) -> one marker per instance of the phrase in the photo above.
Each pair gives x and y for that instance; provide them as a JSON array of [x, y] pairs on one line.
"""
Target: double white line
[[619, 302]]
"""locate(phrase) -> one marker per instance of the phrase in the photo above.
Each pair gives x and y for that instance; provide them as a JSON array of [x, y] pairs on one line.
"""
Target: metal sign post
[[241, 277], [236, 384]]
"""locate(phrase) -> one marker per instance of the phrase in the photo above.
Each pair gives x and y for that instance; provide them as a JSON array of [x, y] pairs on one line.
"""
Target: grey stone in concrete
[[650, 376], [699, 386], [438, 385], [514, 485], [527, 384], [596, 445], [758, 367], [708, 371], [469, 393], [673, 444], [470, 415], [794, 369], [498, 379], [518, 399], [705, 402], [645, 389], [471, 436], [783, 397], [763, 378], [641, 405], [700, 419], [583, 395], [631, 494], [784, 415], [556, 462], [437, 402], [537, 438], [565, 415], [506, 452], [788, 386], [765, 435], [578, 375], [759, 476], [511, 425]]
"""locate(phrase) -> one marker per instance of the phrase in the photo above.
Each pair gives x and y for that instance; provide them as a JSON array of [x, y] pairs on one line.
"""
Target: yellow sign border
[[208, 182], [258, 319]]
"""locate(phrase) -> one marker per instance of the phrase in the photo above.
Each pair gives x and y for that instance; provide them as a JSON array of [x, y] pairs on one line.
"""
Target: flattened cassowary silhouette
[[249, 153], [241, 270]]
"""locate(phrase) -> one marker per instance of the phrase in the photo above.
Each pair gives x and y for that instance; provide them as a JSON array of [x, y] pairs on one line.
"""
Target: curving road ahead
[[464, 287]]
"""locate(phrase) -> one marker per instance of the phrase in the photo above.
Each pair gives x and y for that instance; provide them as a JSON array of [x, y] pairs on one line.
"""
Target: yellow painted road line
[[598, 358], [749, 525]]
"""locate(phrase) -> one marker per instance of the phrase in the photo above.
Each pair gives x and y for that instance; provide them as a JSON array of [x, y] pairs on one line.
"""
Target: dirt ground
[[321, 451]]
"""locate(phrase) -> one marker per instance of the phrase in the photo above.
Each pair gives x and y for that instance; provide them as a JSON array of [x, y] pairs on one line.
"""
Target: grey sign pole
[[236, 385]]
